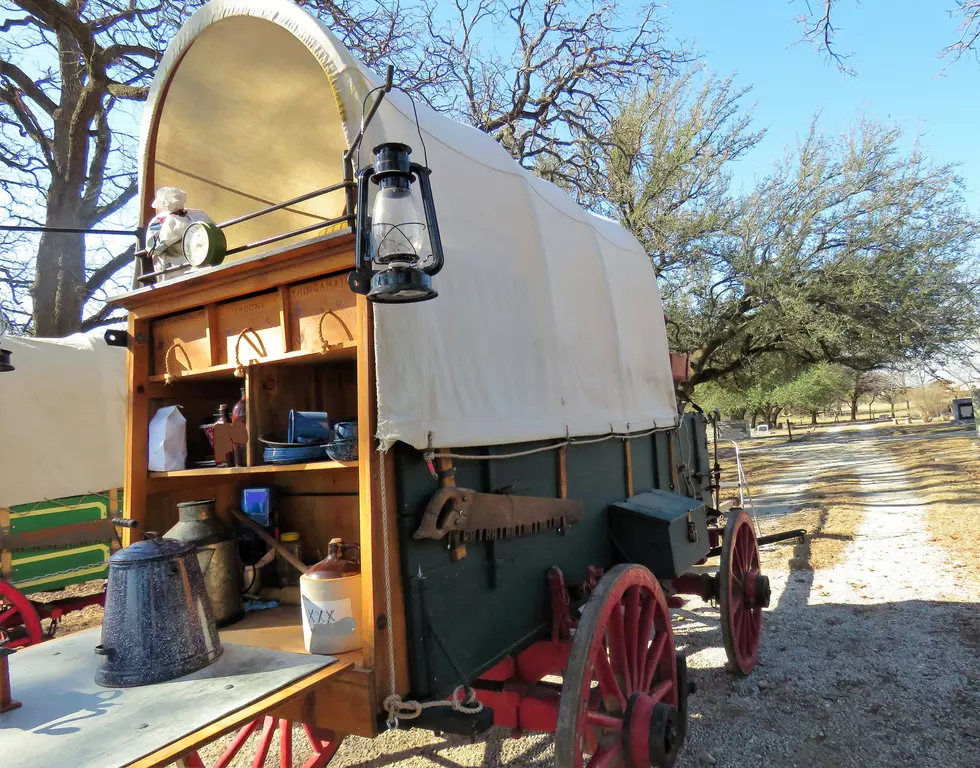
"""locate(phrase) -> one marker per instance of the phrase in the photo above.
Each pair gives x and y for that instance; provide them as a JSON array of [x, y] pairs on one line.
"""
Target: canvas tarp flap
[[62, 418], [548, 320]]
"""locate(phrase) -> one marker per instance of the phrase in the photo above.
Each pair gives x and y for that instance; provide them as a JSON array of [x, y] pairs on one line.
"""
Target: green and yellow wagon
[[63, 427]]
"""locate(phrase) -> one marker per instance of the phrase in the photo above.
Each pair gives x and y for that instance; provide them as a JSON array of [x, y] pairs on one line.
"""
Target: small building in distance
[[963, 410]]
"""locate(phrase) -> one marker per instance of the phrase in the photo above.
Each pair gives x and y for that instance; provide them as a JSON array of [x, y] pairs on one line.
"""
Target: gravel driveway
[[873, 662]]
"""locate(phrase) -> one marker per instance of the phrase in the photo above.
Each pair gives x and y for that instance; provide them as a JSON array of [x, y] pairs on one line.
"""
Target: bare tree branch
[[99, 277], [26, 84], [819, 28]]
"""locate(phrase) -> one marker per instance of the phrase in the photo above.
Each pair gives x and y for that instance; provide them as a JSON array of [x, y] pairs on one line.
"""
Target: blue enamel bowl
[[342, 450]]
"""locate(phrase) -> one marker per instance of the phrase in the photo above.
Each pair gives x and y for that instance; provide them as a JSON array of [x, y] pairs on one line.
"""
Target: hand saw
[[489, 516]]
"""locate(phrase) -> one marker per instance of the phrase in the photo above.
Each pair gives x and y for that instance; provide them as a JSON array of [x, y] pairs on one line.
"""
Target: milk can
[[217, 552], [330, 598]]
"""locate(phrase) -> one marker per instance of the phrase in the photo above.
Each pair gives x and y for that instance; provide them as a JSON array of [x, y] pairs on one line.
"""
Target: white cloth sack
[[168, 440]]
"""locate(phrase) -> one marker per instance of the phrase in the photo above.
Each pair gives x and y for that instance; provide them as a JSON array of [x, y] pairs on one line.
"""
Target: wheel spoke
[[607, 682], [631, 621], [617, 649], [653, 659], [236, 745], [746, 541], [749, 552], [285, 743], [661, 690], [735, 619], [643, 639], [606, 754], [604, 721], [745, 635], [736, 560], [265, 740]]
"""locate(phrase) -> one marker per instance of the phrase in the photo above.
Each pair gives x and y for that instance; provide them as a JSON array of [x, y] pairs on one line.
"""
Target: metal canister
[[217, 552]]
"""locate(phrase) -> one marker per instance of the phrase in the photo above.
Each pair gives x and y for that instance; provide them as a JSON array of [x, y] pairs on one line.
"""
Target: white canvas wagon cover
[[548, 320], [62, 418]]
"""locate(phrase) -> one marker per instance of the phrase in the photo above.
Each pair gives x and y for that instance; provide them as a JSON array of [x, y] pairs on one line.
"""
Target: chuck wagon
[[61, 462], [527, 501]]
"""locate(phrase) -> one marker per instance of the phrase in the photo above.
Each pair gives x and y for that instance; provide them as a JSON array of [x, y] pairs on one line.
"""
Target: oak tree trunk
[[59, 282]]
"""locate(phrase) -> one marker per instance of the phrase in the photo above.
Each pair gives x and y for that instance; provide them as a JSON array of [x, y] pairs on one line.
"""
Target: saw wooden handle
[[263, 534]]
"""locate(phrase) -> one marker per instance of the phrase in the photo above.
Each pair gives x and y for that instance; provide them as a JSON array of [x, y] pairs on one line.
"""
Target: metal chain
[[82, 502], [66, 572]]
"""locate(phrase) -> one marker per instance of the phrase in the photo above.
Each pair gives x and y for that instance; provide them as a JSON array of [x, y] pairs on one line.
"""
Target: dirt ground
[[869, 649]]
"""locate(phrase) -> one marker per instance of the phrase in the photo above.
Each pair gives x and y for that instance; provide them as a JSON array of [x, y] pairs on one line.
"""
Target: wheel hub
[[762, 590], [651, 733], [756, 590]]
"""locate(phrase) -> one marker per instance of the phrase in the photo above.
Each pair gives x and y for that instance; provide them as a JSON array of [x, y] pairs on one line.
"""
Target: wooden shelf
[[262, 469], [280, 629], [346, 350]]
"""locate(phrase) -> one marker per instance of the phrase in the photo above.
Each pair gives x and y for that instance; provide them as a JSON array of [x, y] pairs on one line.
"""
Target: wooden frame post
[[378, 627]]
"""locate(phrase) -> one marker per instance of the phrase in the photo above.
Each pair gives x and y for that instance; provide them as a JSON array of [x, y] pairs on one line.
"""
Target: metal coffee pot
[[217, 552], [158, 623]]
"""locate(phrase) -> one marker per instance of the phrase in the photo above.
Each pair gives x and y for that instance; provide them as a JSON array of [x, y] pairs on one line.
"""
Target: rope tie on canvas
[[260, 349]]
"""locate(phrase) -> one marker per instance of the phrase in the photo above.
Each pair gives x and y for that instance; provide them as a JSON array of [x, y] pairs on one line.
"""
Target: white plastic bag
[[168, 440]]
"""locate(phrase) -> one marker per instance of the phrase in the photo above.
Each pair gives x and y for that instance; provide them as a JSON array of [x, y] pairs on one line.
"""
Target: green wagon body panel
[[457, 605], [36, 570]]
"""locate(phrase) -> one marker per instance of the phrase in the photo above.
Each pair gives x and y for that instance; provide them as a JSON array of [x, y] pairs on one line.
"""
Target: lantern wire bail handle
[[366, 118]]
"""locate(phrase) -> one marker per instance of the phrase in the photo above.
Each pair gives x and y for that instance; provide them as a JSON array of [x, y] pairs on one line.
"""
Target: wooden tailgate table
[[66, 719]]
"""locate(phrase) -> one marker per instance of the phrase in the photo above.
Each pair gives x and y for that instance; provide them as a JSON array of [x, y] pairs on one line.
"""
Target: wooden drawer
[[183, 341], [257, 321], [324, 306]]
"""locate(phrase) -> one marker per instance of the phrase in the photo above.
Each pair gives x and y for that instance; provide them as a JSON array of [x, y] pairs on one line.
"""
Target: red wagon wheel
[[743, 593], [324, 744], [20, 625], [619, 699]]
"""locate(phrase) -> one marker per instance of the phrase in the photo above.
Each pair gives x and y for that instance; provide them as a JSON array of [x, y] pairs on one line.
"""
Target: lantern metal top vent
[[398, 247]]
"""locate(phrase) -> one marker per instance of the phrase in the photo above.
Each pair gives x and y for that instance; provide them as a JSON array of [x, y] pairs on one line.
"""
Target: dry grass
[[830, 513], [759, 466], [945, 473]]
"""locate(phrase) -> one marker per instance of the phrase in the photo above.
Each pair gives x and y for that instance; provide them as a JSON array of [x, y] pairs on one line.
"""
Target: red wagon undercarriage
[[624, 689]]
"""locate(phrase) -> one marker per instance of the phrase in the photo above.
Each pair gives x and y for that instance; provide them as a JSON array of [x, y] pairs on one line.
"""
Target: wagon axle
[[757, 593]]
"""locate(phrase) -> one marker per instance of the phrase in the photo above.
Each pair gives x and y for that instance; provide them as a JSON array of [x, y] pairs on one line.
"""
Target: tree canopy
[[850, 251]]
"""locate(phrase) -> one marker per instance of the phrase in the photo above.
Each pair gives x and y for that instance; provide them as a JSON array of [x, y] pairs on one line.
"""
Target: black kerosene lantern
[[397, 252]]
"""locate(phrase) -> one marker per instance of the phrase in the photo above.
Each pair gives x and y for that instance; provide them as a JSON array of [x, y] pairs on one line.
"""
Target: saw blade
[[491, 516]]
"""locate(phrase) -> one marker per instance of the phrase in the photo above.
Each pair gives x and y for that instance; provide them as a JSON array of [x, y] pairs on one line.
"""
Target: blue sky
[[898, 74]]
